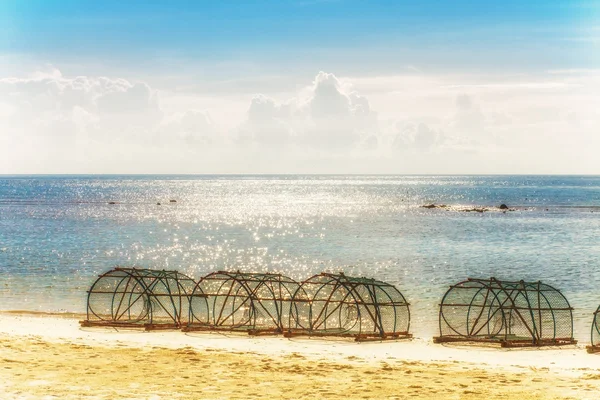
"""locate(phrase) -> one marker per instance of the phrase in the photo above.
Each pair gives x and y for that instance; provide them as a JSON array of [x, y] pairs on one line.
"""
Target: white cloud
[[268, 123], [468, 120], [327, 115], [123, 97], [193, 127], [71, 124], [50, 122], [418, 136], [49, 104]]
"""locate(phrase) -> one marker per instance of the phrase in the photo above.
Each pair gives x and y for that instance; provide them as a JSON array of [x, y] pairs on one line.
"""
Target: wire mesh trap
[[514, 314], [257, 303], [339, 305], [139, 298], [594, 346]]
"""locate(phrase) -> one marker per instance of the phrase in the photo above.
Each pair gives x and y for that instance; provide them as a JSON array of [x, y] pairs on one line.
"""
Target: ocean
[[57, 233]]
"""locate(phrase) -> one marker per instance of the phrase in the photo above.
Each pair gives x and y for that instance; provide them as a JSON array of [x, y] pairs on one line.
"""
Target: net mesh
[[595, 340], [338, 305], [509, 312], [242, 301], [131, 296], [325, 304]]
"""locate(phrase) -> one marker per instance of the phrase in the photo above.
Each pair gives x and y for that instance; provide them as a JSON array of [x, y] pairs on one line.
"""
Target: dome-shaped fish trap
[[510, 313], [594, 346], [257, 303], [132, 297], [339, 305]]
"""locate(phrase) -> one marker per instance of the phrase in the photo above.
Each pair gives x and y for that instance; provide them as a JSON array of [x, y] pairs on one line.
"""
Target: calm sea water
[[58, 233]]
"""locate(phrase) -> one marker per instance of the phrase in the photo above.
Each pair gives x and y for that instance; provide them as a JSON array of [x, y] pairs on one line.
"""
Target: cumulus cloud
[[328, 125], [325, 116], [268, 123], [51, 104], [466, 129], [193, 127], [420, 136], [123, 97], [96, 111], [63, 122], [468, 120]]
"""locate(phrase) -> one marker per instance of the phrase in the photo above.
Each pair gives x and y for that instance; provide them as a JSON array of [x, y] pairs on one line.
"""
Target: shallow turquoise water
[[58, 233]]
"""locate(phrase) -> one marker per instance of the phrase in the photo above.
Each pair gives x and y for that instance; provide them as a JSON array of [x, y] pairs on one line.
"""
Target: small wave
[[58, 314]]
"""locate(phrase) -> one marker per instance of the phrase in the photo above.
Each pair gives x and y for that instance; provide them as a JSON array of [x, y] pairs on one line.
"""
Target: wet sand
[[50, 357]]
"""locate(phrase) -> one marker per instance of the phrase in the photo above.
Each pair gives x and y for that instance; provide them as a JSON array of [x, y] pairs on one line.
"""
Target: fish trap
[[343, 306], [594, 346], [257, 303], [139, 298], [514, 314]]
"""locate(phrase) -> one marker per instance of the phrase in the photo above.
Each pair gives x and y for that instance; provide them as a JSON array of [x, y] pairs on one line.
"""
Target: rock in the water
[[503, 206], [475, 209], [432, 205], [112, 202]]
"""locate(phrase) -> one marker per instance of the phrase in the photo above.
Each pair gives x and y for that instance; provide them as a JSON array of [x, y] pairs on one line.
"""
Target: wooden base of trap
[[358, 337], [264, 332], [129, 325], [506, 343], [593, 348], [240, 329]]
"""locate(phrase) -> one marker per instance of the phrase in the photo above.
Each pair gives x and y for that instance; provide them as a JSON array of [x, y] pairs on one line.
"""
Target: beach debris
[[511, 313], [158, 204], [139, 298], [172, 201], [112, 202]]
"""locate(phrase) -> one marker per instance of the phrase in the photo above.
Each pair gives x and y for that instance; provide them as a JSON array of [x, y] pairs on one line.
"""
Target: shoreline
[[56, 347], [59, 326]]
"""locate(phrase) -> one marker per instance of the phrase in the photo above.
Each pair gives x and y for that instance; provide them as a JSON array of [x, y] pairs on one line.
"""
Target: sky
[[305, 86]]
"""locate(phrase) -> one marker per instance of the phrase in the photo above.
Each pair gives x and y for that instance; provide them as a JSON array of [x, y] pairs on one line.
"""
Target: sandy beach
[[47, 357]]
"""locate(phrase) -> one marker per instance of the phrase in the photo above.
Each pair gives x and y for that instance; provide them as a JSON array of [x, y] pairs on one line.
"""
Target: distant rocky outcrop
[[434, 206], [501, 207]]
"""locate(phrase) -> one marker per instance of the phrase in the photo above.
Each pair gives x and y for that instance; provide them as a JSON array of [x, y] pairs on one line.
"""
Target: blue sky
[[442, 34], [342, 86]]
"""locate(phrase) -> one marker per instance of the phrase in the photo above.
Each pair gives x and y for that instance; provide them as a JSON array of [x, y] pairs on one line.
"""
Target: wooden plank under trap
[[506, 341]]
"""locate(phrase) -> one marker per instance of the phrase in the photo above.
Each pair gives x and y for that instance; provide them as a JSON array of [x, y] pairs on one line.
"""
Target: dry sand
[[51, 358]]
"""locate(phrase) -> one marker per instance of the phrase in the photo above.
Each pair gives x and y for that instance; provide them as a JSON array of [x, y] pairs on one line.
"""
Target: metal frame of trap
[[138, 298], [497, 308], [594, 346], [341, 306], [256, 303]]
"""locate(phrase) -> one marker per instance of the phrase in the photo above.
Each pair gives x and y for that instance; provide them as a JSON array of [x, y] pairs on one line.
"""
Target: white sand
[[577, 372], [563, 359]]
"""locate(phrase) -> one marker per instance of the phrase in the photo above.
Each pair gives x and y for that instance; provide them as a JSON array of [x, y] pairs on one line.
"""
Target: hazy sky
[[303, 86]]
